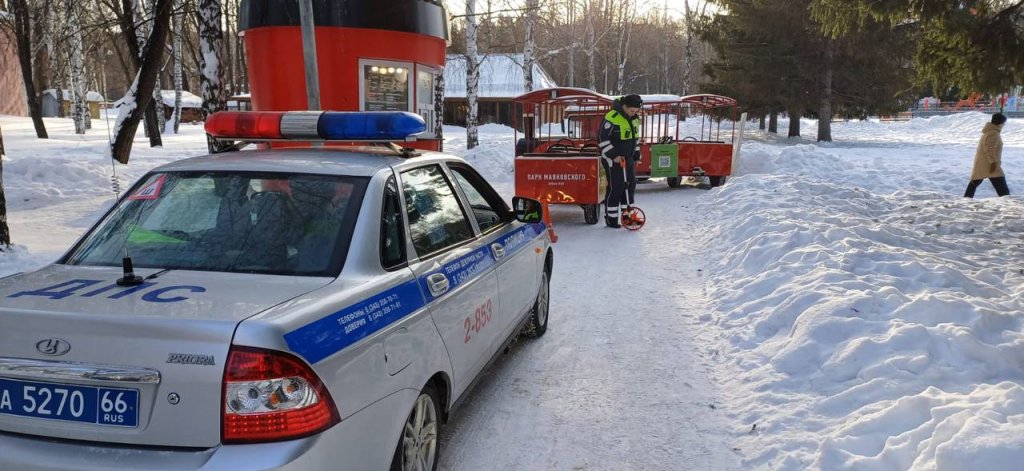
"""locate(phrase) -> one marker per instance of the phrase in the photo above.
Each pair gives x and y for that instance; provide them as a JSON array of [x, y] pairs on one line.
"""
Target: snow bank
[[493, 158], [17, 259], [867, 319]]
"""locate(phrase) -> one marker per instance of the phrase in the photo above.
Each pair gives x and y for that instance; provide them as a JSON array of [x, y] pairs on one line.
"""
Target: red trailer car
[[557, 155]]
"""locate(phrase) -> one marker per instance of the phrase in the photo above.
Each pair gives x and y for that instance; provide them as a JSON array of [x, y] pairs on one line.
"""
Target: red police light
[[245, 124]]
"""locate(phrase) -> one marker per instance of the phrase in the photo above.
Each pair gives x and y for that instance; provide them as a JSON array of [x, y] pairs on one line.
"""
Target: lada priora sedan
[[295, 309]]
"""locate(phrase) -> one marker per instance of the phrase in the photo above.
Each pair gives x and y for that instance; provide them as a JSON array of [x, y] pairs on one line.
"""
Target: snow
[[501, 76], [833, 306], [188, 100]]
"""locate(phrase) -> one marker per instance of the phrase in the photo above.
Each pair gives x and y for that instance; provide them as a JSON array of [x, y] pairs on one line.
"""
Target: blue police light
[[369, 125]]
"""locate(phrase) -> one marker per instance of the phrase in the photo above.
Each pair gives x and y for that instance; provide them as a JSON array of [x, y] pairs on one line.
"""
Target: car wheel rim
[[542, 303], [419, 440]]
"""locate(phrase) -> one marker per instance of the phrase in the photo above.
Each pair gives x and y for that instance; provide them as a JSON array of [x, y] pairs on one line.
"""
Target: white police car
[[300, 309]]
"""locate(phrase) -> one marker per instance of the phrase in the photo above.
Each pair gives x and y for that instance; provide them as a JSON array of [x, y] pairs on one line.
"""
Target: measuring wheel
[[633, 219]]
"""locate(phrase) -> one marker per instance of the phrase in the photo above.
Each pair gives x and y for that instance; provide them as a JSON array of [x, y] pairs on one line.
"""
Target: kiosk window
[[425, 97], [385, 87]]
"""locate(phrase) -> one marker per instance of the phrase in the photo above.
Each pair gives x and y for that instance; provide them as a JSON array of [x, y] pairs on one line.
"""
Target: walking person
[[620, 132], [988, 159]]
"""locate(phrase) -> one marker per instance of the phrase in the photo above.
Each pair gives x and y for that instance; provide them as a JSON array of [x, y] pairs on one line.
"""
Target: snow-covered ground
[[834, 306]]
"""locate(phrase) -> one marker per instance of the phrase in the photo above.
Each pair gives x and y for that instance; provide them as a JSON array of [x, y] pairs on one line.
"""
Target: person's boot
[[611, 222]]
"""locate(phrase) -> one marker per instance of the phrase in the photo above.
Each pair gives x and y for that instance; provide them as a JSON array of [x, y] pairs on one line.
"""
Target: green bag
[[665, 160]]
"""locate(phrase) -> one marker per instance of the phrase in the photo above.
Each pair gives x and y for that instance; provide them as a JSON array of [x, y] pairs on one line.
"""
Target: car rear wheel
[[419, 444], [538, 324]]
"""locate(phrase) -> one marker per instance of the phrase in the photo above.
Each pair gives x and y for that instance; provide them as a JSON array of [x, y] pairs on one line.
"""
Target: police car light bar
[[357, 126]]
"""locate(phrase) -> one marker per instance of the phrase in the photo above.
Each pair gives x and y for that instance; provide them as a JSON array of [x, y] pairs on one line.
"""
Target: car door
[[511, 243], [455, 271]]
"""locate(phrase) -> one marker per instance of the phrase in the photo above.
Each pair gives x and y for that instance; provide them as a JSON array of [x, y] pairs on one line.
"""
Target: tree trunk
[[530, 44], [794, 122], [158, 96], [591, 50], [773, 121], [129, 21], [439, 110], [761, 123], [473, 74], [5, 232], [178, 17], [79, 89], [211, 78], [825, 106], [689, 17], [625, 28], [140, 94], [571, 61], [23, 35]]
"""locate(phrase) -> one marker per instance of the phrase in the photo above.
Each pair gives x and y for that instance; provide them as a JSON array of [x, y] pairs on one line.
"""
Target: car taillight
[[272, 396]]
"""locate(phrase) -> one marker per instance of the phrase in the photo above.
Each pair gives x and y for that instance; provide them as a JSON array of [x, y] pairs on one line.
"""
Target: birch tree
[[592, 40], [5, 232], [530, 44], [140, 95], [472, 75], [625, 29], [211, 79], [439, 110], [77, 55], [178, 76]]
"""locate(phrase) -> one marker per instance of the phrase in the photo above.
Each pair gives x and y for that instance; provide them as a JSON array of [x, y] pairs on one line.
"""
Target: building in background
[[12, 89], [51, 108], [501, 80], [191, 106]]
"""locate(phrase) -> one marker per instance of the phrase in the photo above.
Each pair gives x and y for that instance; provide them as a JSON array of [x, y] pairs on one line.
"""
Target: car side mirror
[[528, 210]]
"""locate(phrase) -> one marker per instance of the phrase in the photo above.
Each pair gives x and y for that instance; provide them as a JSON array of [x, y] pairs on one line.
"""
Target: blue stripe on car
[[329, 335]]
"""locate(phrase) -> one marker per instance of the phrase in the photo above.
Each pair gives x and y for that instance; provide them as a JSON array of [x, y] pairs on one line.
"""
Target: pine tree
[[975, 45]]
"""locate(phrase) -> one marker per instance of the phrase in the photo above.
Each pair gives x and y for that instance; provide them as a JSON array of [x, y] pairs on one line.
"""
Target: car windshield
[[276, 223]]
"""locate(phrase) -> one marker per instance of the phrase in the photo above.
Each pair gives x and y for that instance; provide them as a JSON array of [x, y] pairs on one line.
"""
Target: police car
[[295, 309]]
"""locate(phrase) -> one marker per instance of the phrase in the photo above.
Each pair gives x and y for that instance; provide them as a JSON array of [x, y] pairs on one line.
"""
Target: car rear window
[[274, 223]]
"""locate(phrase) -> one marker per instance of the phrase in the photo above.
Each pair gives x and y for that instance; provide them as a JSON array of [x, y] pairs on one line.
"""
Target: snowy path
[[616, 383]]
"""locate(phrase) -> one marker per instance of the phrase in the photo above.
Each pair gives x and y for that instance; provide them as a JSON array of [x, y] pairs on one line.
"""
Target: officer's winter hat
[[633, 100], [998, 119]]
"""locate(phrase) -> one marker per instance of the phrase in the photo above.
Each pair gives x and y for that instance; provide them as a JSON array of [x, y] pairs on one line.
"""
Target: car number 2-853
[[478, 321], [94, 405]]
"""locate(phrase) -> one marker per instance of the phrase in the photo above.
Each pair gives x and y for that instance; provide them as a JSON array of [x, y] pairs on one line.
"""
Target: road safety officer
[[620, 132]]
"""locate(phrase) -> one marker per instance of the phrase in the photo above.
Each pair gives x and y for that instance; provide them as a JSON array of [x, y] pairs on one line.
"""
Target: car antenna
[[129, 278]]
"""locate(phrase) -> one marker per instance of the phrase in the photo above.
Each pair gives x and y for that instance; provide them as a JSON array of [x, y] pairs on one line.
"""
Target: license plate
[[91, 405]]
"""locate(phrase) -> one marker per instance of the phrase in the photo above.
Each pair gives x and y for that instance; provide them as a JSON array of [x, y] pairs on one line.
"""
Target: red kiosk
[[373, 55]]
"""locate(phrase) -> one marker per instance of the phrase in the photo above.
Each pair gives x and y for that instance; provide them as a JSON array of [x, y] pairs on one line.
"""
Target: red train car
[[373, 55]]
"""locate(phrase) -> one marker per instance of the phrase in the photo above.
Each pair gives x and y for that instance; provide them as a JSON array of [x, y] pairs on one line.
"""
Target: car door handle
[[497, 251], [438, 284]]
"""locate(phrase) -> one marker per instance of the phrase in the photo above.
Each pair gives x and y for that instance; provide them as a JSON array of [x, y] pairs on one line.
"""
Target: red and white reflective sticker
[[151, 191]]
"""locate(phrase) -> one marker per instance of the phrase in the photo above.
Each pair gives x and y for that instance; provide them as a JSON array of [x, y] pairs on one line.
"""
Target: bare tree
[[625, 30], [591, 50], [472, 75], [77, 55], [530, 44], [178, 17], [439, 110], [140, 95], [5, 232], [23, 36], [211, 79]]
